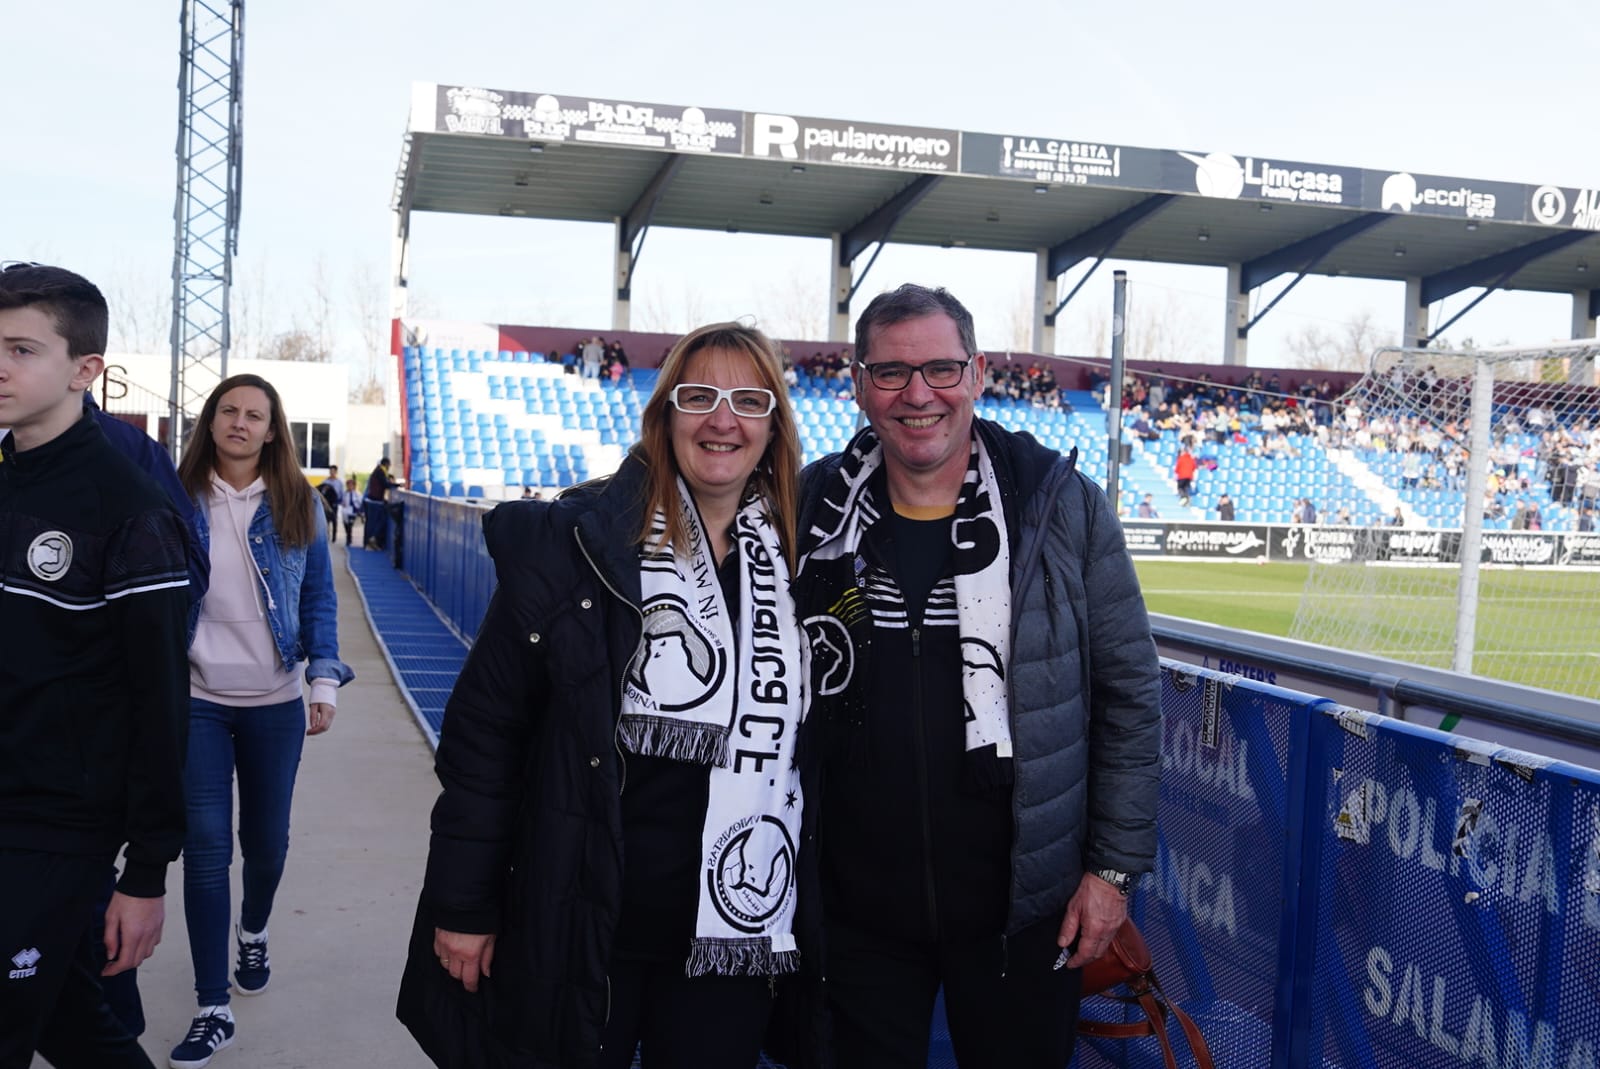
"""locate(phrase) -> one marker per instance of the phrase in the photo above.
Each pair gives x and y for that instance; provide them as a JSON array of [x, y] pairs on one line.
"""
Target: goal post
[[1489, 463]]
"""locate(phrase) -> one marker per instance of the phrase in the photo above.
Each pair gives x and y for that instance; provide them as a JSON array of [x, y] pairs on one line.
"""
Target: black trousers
[[674, 1022], [1007, 1008], [51, 999]]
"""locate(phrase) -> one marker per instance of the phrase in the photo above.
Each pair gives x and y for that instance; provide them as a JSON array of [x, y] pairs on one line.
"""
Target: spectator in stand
[[619, 359], [594, 351], [1147, 509], [1586, 522], [1183, 470], [1225, 508], [1398, 519], [1343, 518]]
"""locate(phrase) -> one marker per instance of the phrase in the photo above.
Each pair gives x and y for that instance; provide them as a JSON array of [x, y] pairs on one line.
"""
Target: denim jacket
[[304, 613]]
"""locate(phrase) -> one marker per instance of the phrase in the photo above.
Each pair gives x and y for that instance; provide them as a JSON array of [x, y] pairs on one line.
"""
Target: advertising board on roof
[[1577, 209], [1428, 194], [1059, 161], [547, 117], [856, 144], [1226, 177]]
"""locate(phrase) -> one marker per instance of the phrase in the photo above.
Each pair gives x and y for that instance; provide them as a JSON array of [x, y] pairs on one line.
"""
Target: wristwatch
[[1122, 881]]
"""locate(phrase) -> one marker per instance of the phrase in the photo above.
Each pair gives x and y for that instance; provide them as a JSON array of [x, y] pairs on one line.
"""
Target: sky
[[1464, 88]]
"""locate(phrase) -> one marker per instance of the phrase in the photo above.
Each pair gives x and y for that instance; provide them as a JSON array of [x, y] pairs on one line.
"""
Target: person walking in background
[[270, 609], [375, 526], [643, 631], [1147, 509], [350, 509], [990, 667], [331, 489], [93, 592]]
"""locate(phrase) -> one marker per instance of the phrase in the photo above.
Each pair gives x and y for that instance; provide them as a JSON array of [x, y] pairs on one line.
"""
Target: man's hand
[[463, 955], [1094, 914], [133, 928]]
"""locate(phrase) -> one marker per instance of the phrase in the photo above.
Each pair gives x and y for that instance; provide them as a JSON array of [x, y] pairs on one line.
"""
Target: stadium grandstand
[[485, 424]]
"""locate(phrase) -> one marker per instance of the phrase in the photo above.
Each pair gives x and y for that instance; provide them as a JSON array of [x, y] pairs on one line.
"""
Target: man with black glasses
[[990, 710]]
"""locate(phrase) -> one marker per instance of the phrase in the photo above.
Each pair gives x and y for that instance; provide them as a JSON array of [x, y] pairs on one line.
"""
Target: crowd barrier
[[1333, 888]]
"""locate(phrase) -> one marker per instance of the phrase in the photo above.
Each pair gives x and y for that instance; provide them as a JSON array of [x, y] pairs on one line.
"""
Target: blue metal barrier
[[1333, 888]]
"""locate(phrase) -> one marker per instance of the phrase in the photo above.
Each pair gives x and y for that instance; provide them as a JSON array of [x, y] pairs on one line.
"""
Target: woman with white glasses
[[613, 857]]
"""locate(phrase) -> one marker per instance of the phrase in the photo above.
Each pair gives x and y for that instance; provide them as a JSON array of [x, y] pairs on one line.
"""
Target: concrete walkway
[[358, 841]]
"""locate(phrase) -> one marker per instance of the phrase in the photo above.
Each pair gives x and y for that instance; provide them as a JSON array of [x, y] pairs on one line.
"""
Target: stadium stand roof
[[549, 156]]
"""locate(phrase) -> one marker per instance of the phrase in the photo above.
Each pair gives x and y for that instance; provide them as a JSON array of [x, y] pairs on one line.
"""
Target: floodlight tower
[[210, 128]]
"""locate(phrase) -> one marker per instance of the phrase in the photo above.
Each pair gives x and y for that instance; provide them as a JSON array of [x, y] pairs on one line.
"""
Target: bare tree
[[1346, 349], [654, 316], [1162, 327], [794, 307], [368, 307], [1019, 322], [297, 344], [140, 301], [251, 318]]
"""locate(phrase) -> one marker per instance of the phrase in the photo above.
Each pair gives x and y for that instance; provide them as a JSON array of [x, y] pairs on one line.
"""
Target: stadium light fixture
[[1263, 207], [765, 198], [797, 168], [521, 179], [1472, 224], [1203, 235], [1399, 252], [536, 148], [992, 216], [1041, 189], [1583, 265]]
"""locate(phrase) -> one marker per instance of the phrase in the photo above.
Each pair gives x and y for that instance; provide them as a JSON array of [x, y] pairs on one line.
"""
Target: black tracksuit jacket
[[94, 680]]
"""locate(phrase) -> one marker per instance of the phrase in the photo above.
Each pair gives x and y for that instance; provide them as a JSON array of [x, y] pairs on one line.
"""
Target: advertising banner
[[1457, 910], [1519, 547], [1238, 541], [1226, 177], [1578, 209], [1145, 539], [1059, 161], [547, 117], [1430, 194], [1581, 549], [856, 144]]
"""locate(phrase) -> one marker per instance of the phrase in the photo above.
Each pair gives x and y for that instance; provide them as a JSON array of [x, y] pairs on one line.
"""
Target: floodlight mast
[[206, 214]]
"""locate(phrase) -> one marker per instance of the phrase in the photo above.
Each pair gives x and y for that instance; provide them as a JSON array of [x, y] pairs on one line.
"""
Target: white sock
[[252, 937], [224, 1012]]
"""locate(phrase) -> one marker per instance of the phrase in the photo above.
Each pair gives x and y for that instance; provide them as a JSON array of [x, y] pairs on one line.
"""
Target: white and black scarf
[[730, 694], [981, 558]]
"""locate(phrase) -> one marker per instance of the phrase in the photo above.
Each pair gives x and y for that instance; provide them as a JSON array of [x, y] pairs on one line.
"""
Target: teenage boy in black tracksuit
[[93, 683]]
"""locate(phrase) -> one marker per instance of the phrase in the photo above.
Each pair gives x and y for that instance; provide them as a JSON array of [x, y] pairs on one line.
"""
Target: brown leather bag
[[1126, 962]]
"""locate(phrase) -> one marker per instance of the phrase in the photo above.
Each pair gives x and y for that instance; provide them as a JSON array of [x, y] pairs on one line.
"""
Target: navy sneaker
[[211, 1031], [254, 969]]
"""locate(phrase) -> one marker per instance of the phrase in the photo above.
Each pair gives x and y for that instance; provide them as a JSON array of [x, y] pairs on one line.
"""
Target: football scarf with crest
[[730, 694], [980, 557]]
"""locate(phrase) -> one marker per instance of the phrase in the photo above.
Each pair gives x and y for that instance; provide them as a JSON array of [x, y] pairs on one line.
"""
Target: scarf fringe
[[696, 744], [740, 957]]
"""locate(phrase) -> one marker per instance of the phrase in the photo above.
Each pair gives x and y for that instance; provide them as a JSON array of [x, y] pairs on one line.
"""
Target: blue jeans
[[263, 743]]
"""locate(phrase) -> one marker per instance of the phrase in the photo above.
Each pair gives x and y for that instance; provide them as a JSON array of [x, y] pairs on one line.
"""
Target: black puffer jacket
[[1084, 680], [527, 834]]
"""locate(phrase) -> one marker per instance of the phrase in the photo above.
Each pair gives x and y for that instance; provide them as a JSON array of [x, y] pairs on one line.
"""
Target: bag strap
[[1155, 1011]]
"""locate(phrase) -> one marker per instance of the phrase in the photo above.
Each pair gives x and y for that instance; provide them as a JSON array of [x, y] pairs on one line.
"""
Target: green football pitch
[[1540, 628]]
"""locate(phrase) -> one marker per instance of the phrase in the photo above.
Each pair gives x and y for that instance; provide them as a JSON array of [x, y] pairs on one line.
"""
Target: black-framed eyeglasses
[[938, 374], [751, 402]]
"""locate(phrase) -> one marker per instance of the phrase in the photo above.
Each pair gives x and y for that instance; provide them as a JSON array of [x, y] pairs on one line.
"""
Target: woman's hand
[[463, 955], [319, 719]]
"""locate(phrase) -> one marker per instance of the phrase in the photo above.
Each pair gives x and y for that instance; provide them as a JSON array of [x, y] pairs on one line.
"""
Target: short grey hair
[[912, 301]]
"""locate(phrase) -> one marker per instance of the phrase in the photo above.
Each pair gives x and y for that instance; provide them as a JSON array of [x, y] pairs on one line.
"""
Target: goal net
[[1486, 469]]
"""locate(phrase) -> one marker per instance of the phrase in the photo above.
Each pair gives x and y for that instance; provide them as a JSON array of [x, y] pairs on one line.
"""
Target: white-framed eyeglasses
[[751, 402]]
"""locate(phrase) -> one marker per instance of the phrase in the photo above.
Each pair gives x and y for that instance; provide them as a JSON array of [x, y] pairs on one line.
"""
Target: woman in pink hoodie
[[267, 627]]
